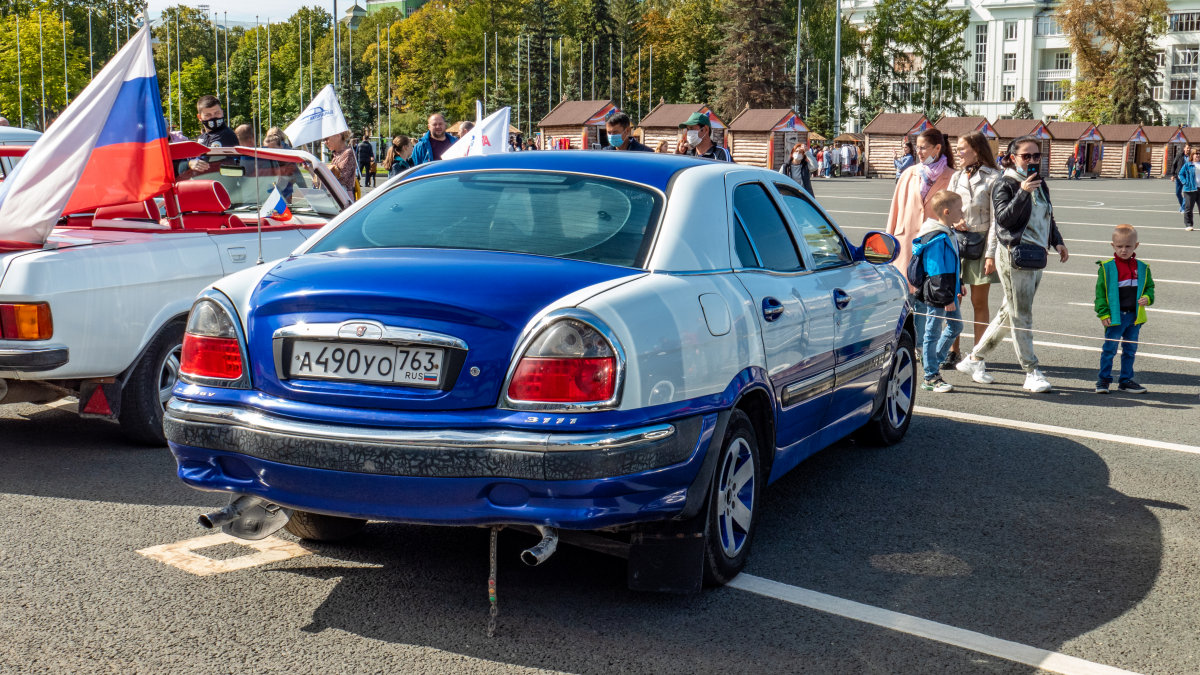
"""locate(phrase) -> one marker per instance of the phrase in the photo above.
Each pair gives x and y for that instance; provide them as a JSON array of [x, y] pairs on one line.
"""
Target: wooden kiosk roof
[[897, 124], [768, 119], [674, 114], [579, 113]]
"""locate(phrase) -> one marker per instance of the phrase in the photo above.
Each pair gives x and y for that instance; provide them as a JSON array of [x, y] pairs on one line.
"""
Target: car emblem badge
[[360, 330]]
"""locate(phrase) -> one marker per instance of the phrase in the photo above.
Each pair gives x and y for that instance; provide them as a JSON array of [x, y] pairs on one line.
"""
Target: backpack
[[917, 276]]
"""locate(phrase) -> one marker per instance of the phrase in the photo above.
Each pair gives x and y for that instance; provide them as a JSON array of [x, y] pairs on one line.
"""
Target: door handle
[[772, 309], [841, 298]]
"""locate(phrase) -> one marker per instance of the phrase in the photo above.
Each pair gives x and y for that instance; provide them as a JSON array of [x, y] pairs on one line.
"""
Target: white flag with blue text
[[321, 119]]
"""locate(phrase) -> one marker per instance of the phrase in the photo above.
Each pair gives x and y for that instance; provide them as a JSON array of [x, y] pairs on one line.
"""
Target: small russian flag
[[275, 208], [429, 378]]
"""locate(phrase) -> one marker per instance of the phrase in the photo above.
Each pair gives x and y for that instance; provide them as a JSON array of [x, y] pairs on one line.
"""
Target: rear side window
[[543, 213], [766, 232]]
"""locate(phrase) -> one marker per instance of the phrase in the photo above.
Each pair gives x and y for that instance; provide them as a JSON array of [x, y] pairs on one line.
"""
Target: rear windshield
[[543, 213]]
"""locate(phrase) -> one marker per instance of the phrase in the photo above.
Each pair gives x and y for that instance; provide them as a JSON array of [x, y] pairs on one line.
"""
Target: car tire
[[149, 386], [890, 422], [731, 520], [320, 527]]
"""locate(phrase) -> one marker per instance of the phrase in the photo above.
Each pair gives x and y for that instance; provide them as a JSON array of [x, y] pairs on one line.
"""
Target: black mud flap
[[667, 562]]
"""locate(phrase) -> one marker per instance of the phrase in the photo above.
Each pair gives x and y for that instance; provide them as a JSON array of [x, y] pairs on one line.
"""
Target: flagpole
[[622, 71], [310, 61], [20, 81], [484, 68], [389, 69], [258, 78], [117, 28], [217, 54], [66, 87], [337, 54], [170, 84], [529, 86], [179, 74], [42, 67], [225, 16], [91, 65], [518, 80], [270, 87], [300, 52], [379, 85], [650, 85], [550, 68], [350, 51], [593, 69], [639, 84]]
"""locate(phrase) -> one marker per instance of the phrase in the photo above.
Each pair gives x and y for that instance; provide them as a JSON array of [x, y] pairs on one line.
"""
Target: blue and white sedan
[[626, 342]]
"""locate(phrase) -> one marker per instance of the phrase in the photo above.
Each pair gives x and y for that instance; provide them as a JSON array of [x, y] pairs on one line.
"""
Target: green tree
[[29, 97], [933, 34], [1021, 110], [746, 71], [884, 54]]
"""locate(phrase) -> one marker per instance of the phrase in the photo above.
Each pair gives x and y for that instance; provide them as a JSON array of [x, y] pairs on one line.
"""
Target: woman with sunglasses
[[1025, 229]]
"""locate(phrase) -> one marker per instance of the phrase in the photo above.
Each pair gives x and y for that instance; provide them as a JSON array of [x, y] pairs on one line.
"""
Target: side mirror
[[879, 248]]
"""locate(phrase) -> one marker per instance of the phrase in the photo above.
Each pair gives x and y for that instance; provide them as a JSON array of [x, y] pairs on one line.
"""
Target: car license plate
[[414, 366]]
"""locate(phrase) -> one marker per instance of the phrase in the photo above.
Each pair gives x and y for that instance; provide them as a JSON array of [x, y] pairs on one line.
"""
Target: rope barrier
[[1011, 327]]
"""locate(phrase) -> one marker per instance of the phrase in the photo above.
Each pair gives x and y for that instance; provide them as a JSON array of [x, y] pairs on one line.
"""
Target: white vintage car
[[624, 342], [98, 309]]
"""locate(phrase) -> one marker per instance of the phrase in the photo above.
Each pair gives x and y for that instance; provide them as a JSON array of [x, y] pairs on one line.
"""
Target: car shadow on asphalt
[[55, 453], [1013, 534]]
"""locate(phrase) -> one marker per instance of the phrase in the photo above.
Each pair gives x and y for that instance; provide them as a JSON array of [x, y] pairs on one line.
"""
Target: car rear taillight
[[568, 362], [211, 349], [26, 321]]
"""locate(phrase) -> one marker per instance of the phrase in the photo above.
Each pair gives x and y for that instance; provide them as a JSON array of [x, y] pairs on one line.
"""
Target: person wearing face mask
[[216, 134], [699, 138], [1025, 229], [914, 190], [619, 137], [797, 166]]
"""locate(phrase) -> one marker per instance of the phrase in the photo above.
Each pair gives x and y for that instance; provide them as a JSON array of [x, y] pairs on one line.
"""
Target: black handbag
[[971, 245], [1028, 256]]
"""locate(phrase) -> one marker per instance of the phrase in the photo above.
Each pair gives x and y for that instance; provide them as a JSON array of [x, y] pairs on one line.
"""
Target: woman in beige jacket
[[973, 182], [916, 187]]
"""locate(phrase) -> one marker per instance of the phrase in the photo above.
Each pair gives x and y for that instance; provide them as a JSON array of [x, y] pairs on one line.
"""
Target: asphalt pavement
[[1057, 529]]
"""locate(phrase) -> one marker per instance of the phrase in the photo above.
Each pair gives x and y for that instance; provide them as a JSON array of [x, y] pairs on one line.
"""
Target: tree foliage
[[747, 70], [1113, 42]]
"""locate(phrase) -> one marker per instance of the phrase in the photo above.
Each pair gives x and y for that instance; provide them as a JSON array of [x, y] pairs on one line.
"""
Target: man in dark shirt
[[619, 137], [699, 138], [366, 160], [435, 142], [216, 134]]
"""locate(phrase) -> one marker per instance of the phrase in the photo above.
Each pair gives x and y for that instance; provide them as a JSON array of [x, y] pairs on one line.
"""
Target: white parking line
[[924, 628], [1109, 241], [1093, 276], [1089, 348], [1105, 256], [1056, 430], [1148, 309]]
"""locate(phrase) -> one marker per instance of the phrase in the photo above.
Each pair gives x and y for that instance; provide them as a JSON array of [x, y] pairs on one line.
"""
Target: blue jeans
[[1179, 192], [1128, 331], [935, 344]]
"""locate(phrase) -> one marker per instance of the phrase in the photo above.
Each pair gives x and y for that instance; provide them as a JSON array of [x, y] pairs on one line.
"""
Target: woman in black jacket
[[797, 168], [1025, 229]]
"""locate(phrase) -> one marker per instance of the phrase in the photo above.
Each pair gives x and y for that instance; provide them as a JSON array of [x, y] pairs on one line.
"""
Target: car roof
[[647, 168], [17, 135]]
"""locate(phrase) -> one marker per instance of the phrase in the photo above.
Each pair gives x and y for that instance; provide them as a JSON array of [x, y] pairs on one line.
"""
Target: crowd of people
[[963, 229]]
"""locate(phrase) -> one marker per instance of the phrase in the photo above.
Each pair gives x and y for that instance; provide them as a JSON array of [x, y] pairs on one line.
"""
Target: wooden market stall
[[1008, 131], [576, 125], [1165, 143], [1125, 150], [886, 135], [762, 137], [662, 123], [954, 127], [1079, 138], [859, 142]]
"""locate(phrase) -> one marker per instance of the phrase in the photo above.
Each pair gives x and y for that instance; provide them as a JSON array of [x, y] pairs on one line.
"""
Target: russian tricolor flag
[[108, 147], [276, 207]]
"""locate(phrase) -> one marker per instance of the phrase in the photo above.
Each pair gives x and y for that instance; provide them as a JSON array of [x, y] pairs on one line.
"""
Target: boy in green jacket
[[1124, 288]]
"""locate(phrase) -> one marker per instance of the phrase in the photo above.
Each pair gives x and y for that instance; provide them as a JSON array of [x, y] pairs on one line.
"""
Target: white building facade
[[1016, 49]]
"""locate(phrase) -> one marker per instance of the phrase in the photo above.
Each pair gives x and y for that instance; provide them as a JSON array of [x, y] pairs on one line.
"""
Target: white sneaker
[[1037, 382], [975, 368]]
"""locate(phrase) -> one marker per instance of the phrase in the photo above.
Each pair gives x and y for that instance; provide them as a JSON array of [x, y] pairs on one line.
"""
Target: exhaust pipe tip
[[539, 553], [205, 520]]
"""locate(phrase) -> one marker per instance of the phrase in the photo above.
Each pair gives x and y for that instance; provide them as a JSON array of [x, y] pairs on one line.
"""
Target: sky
[[240, 10]]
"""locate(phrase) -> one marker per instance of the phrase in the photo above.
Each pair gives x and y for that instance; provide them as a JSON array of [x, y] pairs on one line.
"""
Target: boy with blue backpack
[[935, 271]]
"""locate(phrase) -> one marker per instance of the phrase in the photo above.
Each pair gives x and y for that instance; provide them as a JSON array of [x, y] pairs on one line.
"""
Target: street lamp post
[[837, 79]]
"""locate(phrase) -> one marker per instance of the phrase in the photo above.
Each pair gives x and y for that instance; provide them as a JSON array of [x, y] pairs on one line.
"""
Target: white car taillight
[[211, 349], [568, 362]]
